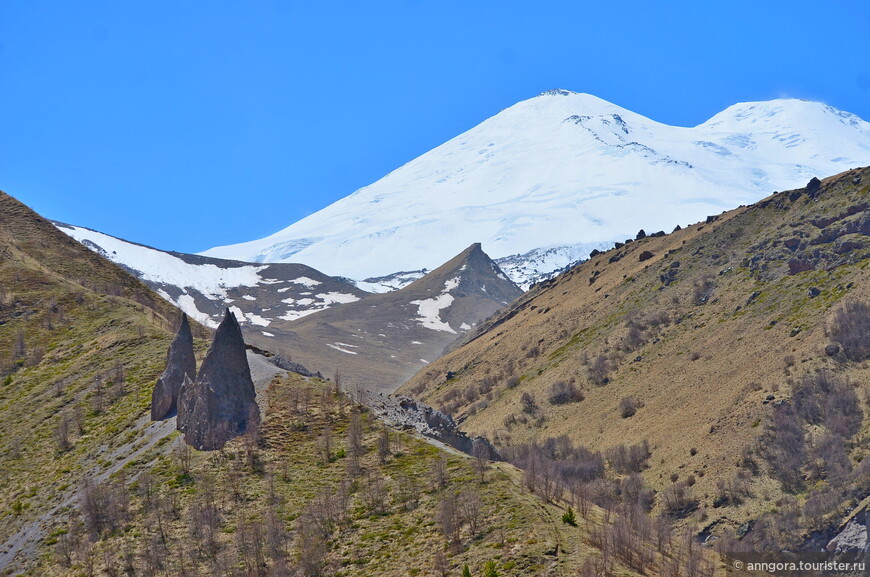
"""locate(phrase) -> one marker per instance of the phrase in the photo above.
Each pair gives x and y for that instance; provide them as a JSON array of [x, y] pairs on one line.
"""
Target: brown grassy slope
[[703, 374], [81, 342]]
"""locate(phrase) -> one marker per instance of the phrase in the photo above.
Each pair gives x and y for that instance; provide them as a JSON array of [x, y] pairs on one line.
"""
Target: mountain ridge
[[704, 343]]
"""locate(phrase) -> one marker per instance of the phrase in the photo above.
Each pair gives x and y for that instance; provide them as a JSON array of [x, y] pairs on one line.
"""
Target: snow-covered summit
[[566, 169]]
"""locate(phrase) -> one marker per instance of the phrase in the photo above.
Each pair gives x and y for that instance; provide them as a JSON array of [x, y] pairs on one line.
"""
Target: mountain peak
[[565, 169]]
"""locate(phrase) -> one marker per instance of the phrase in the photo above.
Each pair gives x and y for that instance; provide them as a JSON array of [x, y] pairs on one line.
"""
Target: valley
[[644, 380]]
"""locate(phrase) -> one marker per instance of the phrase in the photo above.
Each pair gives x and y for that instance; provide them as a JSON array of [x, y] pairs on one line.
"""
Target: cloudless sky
[[190, 124]]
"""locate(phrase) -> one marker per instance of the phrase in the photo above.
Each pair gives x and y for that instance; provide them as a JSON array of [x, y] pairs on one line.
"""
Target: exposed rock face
[[180, 362], [412, 414], [220, 404], [855, 536]]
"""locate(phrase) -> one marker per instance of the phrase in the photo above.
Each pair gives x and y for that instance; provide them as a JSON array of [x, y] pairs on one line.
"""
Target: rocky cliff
[[180, 361], [220, 404]]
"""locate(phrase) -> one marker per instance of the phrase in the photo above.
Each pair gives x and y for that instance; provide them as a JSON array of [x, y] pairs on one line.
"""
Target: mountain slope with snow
[[258, 294], [379, 342], [569, 171]]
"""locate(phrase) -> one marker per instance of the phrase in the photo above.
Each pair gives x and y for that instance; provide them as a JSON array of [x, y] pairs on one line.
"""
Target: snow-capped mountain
[[569, 171]]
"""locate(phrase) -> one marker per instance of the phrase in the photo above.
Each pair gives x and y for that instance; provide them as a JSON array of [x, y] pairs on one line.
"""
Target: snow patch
[[337, 298], [186, 303], [428, 312], [338, 348], [304, 280]]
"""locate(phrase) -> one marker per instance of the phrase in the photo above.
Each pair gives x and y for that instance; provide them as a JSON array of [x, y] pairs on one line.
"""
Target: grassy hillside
[[325, 489], [81, 343], [92, 487], [705, 343]]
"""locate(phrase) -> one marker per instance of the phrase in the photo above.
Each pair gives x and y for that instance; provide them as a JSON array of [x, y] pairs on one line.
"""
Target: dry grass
[[701, 366]]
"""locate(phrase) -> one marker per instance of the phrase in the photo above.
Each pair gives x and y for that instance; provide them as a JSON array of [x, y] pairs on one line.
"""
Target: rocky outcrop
[[180, 362], [221, 403], [855, 536], [408, 413]]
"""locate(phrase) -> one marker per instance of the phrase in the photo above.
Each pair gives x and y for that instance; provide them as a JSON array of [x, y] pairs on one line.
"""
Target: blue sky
[[190, 124]]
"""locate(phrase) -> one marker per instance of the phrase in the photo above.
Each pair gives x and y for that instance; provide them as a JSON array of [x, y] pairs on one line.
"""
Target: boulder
[[221, 403], [180, 362]]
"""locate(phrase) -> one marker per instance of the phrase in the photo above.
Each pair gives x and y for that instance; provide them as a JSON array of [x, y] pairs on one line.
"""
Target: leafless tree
[[375, 493], [440, 566], [481, 460], [406, 493], [98, 400], [313, 549], [62, 431], [324, 445], [471, 505], [384, 444], [450, 521], [438, 474], [183, 456]]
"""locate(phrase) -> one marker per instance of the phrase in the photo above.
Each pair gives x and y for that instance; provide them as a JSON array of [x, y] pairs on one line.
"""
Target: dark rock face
[[412, 414], [180, 362], [220, 404]]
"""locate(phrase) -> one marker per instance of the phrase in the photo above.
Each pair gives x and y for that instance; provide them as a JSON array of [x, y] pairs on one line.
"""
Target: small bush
[[562, 393], [851, 329], [628, 406], [569, 518], [513, 382], [529, 404], [600, 370], [679, 501], [631, 459]]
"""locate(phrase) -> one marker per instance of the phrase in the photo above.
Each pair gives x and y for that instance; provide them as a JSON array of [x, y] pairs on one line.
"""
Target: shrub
[[628, 406], [530, 406], [569, 518], [513, 382], [784, 447], [600, 370], [632, 459], [851, 329], [562, 393], [678, 501]]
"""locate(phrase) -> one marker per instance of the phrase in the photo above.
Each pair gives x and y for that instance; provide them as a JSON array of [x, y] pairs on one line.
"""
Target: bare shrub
[[628, 406], [850, 328], [562, 393], [678, 500], [528, 403], [513, 381], [784, 447], [599, 370], [824, 398], [628, 459], [471, 394]]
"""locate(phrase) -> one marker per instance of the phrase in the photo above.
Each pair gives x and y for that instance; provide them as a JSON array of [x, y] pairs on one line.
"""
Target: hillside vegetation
[[81, 343], [92, 487], [735, 350]]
